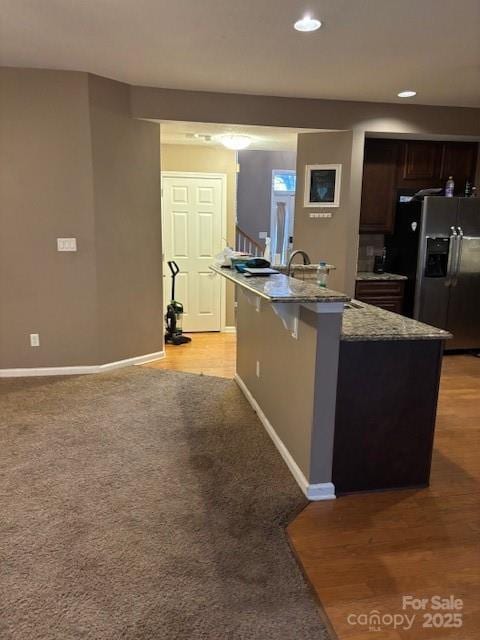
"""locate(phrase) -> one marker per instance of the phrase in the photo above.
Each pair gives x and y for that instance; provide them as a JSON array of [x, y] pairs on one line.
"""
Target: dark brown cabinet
[[459, 160], [378, 187], [421, 161], [387, 294], [385, 419], [409, 164]]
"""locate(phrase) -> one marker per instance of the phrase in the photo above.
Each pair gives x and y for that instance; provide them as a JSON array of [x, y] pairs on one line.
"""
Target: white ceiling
[[263, 138], [366, 50]]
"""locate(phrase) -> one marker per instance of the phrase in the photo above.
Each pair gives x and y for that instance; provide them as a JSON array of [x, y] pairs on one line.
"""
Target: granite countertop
[[369, 275], [363, 321], [281, 288], [301, 267]]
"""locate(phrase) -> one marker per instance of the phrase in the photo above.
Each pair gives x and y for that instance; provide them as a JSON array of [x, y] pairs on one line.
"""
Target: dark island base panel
[[385, 417]]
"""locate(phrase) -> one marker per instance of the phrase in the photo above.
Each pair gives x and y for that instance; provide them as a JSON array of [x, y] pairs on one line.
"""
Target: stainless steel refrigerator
[[436, 244]]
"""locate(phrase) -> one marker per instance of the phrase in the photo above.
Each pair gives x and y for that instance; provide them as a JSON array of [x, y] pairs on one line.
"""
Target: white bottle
[[267, 252], [322, 274], [449, 187]]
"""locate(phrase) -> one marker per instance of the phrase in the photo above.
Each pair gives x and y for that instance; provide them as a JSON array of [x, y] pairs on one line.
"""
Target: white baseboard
[[149, 357], [74, 371], [322, 491], [229, 329]]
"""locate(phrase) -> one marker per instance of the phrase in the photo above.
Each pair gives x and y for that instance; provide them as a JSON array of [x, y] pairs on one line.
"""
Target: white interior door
[[193, 209]]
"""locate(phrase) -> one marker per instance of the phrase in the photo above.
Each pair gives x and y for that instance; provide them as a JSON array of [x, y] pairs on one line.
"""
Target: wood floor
[[212, 354], [364, 552]]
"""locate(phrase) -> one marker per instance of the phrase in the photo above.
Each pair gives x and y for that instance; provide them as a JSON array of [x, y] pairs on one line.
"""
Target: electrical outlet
[[370, 251], [257, 369], [34, 340]]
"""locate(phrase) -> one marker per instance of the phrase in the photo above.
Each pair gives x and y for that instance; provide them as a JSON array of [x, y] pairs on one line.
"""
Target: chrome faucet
[[304, 254]]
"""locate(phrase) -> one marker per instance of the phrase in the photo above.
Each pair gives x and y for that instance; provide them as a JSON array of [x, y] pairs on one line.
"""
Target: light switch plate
[[320, 214], [262, 235], [66, 244], [34, 340]]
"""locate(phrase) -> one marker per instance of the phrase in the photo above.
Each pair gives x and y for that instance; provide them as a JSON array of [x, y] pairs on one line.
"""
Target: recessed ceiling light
[[407, 94], [235, 141], [307, 23]]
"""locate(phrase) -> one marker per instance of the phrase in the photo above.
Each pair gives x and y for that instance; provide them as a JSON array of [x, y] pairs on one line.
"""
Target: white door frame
[[223, 179], [290, 212]]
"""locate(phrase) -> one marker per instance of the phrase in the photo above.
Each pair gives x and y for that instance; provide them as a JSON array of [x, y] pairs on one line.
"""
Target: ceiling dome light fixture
[[235, 141], [307, 23], [407, 94]]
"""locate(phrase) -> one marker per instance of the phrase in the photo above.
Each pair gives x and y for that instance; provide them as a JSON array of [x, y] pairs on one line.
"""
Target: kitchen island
[[288, 340], [387, 389], [346, 391]]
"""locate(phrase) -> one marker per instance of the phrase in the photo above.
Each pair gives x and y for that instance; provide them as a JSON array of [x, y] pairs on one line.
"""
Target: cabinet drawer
[[379, 289], [390, 304]]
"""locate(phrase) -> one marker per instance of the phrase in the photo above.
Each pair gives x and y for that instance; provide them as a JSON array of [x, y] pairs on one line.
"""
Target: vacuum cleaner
[[173, 317]]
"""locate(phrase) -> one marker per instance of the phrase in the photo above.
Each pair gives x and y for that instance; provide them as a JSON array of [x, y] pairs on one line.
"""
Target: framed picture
[[322, 185]]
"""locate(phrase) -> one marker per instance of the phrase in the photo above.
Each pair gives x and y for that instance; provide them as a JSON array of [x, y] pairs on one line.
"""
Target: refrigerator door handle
[[452, 254], [458, 255]]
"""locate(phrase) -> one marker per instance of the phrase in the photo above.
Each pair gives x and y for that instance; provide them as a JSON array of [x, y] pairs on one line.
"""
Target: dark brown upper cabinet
[[409, 164], [378, 187], [420, 164], [459, 160]]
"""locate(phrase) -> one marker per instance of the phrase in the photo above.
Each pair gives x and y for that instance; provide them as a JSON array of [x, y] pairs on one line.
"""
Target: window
[[284, 182]]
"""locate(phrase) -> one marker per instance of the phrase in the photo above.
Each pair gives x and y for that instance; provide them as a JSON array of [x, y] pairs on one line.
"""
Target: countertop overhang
[[279, 288], [371, 276], [360, 322], [363, 321]]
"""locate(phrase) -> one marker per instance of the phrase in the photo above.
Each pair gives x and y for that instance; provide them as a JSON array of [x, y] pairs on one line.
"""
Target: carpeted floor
[[144, 505]]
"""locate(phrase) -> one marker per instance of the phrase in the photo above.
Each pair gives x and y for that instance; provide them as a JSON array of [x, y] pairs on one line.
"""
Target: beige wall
[[327, 239], [125, 156], [261, 336], [46, 191], [74, 164], [296, 389], [179, 157], [202, 106], [356, 179]]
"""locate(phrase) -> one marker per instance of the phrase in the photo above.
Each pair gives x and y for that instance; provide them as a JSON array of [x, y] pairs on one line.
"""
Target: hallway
[[209, 354]]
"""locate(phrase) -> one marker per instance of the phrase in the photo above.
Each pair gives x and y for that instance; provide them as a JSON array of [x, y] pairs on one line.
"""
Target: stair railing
[[246, 244]]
